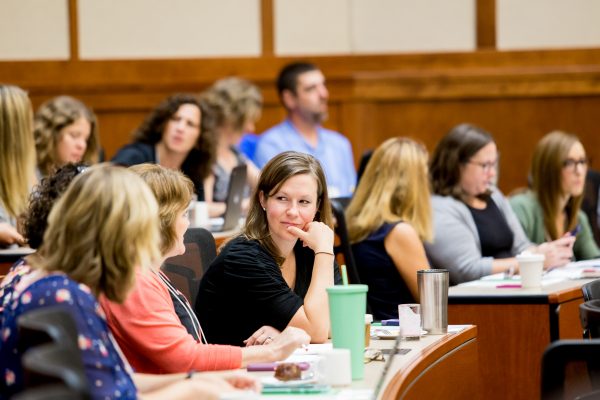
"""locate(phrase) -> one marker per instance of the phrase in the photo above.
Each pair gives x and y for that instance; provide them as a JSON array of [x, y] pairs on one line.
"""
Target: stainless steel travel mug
[[433, 292]]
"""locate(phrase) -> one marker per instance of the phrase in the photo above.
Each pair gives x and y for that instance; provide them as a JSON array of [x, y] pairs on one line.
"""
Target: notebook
[[235, 195]]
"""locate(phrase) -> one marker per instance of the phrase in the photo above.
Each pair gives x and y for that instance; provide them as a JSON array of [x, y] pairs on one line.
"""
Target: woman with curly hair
[[65, 130], [171, 136], [235, 105], [17, 164]]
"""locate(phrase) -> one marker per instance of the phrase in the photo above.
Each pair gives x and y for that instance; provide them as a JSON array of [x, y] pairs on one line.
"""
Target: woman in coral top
[[155, 335]]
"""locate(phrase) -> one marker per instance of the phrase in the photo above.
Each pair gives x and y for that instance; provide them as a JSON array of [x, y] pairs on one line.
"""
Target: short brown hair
[[173, 191], [274, 174], [102, 228], [455, 149]]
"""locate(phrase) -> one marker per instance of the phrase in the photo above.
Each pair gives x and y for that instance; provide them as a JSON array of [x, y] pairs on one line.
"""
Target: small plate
[[386, 334], [272, 381]]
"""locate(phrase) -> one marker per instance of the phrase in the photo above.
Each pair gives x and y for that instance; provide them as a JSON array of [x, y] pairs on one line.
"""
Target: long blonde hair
[[393, 188], [102, 228], [546, 172], [173, 191], [17, 163]]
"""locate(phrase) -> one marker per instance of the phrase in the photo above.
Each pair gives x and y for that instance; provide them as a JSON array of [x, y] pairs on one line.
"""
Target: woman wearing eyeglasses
[[551, 210], [476, 232]]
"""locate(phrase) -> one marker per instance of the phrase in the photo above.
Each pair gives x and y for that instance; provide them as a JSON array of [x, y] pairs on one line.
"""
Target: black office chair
[[55, 364], [562, 353], [589, 315], [589, 204], [186, 270], [57, 391], [591, 290], [364, 160], [344, 248], [44, 325]]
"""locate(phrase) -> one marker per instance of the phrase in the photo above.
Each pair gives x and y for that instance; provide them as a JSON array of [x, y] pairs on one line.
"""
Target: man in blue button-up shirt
[[303, 93]]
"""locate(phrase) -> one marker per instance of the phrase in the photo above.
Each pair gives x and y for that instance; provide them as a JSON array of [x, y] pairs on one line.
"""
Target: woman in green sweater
[[552, 208]]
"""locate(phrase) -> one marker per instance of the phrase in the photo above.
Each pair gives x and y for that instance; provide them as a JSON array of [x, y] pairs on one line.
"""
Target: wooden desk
[[514, 327], [437, 367]]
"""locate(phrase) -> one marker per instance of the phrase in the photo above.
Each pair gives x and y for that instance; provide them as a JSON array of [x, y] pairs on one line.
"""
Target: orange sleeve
[[152, 337]]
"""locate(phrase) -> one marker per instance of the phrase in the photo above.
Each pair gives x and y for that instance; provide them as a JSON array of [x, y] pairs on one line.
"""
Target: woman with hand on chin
[[275, 273], [552, 209], [476, 232], [155, 326]]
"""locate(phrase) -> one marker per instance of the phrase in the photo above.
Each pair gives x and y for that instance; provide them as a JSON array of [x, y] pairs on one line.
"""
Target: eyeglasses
[[572, 164], [485, 166], [373, 355]]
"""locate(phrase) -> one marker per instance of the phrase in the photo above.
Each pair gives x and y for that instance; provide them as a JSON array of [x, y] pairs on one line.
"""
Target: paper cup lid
[[530, 257], [368, 318]]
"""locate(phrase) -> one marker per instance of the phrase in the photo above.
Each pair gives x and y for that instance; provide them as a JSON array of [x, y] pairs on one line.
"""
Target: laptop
[[235, 195]]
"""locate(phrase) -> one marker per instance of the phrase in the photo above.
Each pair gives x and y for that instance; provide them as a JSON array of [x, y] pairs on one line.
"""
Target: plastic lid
[[368, 318], [530, 257]]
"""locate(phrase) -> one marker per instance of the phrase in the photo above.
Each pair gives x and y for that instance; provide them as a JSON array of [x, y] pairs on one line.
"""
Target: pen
[[509, 286]]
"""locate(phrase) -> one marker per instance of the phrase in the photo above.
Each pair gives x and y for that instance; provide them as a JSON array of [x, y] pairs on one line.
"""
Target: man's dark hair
[[288, 76]]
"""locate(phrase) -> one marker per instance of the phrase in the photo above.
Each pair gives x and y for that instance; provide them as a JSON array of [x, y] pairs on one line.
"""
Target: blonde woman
[[99, 232], [156, 326], [388, 219], [233, 107], [65, 131], [552, 209], [17, 163]]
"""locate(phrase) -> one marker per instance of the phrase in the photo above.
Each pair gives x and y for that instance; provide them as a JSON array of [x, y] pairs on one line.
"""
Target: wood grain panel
[[501, 329], [517, 96]]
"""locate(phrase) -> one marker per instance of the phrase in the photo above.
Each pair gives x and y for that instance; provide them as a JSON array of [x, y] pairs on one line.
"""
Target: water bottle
[[433, 292]]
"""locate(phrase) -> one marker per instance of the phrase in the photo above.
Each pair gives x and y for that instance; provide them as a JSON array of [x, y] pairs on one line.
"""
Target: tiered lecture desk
[[514, 327], [436, 367]]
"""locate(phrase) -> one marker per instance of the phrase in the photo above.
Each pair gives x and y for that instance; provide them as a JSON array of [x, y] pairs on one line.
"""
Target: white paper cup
[[201, 214], [335, 367], [531, 267], [409, 317]]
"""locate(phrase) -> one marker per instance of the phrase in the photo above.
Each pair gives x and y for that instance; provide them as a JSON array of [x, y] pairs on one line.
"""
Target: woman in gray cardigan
[[476, 233]]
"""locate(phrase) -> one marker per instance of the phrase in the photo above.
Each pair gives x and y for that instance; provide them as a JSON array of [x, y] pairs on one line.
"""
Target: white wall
[[34, 30], [543, 24], [117, 29]]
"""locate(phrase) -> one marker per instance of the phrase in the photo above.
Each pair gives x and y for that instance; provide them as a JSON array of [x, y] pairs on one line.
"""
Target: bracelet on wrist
[[324, 252]]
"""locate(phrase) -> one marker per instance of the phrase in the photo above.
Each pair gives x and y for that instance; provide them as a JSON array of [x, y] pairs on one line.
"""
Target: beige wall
[[542, 24], [34, 30], [149, 29], [168, 29]]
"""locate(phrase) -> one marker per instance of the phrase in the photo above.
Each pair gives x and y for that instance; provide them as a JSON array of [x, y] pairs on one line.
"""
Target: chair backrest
[[589, 204], [341, 231], [589, 315], [591, 290], [57, 391], [561, 354], [55, 364], [186, 270], [364, 160], [46, 324]]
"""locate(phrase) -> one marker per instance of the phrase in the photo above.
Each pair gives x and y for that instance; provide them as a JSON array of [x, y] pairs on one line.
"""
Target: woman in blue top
[[98, 232], [388, 219]]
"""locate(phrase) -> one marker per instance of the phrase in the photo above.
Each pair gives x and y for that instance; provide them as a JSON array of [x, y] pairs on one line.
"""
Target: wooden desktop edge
[[429, 356], [565, 295]]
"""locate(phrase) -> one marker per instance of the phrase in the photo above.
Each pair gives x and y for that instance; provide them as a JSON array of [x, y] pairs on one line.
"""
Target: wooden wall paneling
[[486, 24], [267, 29]]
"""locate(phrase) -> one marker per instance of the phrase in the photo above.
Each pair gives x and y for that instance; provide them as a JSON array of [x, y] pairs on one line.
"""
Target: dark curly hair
[[41, 200], [199, 161]]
